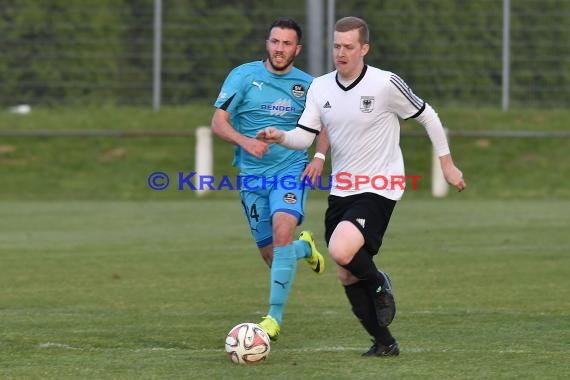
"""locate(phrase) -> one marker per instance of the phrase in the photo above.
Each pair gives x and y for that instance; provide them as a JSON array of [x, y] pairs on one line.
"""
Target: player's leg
[[284, 259], [359, 293], [371, 215], [290, 196], [283, 271], [356, 239], [256, 209], [292, 199], [287, 205], [266, 253], [345, 247], [384, 344]]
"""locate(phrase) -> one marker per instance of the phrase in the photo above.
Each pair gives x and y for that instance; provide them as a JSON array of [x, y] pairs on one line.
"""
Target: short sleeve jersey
[[363, 128], [257, 98]]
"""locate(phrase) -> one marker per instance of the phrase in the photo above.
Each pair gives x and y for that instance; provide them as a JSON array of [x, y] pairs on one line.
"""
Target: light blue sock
[[302, 249], [283, 272]]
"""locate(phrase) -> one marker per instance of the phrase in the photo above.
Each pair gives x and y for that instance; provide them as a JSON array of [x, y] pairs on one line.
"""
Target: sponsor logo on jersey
[[361, 221], [290, 198], [298, 90], [257, 84], [222, 95], [366, 104], [279, 107], [327, 105]]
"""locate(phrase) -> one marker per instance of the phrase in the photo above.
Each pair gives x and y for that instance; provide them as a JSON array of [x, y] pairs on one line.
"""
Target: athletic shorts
[[369, 212], [262, 197]]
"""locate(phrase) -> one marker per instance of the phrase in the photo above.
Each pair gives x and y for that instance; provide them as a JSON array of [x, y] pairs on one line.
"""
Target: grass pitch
[[148, 290]]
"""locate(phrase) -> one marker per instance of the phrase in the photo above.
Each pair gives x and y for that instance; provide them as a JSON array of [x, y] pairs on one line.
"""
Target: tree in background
[[59, 50]]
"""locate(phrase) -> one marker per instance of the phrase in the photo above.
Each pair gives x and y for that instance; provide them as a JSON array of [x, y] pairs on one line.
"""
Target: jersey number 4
[[253, 213]]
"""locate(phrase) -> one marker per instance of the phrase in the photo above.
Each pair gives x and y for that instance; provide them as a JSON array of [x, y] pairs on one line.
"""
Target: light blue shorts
[[261, 197]]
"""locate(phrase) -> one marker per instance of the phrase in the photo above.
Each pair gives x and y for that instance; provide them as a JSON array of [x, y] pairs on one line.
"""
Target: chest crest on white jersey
[[366, 104]]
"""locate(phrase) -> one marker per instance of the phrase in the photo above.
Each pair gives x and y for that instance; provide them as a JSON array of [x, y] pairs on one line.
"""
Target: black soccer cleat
[[378, 349], [384, 302]]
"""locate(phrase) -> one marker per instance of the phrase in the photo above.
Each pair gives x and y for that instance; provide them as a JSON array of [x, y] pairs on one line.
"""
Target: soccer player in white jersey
[[359, 107], [253, 96]]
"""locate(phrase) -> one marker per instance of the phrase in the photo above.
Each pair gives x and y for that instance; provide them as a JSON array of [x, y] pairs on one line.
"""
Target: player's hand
[[271, 135], [255, 147], [454, 177], [452, 174], [314, 170]]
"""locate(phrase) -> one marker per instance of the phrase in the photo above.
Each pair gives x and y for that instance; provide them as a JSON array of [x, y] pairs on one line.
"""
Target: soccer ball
[[247, 343]]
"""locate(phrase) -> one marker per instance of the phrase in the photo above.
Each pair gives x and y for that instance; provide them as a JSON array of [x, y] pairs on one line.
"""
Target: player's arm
[[301, 137], [407, 105], [222, 127], [315, 168], [432, 123], [298, 139]]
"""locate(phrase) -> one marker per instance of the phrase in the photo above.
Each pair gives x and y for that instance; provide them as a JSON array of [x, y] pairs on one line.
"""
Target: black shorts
[[369, 212]]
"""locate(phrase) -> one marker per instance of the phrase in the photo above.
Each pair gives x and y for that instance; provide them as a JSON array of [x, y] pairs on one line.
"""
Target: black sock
[[360, 299], [382, 334], [362, 266]]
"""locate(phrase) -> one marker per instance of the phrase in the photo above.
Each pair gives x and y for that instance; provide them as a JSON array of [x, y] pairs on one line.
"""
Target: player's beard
[[288, 62]]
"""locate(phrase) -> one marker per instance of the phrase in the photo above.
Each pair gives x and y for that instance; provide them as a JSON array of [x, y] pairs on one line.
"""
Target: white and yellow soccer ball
[[247, 343]]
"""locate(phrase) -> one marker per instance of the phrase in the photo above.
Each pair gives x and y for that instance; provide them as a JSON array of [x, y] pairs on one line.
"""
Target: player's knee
[[340, 255], [283, 235], [284, 225]]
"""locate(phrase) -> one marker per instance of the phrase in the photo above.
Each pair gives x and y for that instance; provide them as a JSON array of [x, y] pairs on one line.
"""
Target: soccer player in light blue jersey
[[254, 96]]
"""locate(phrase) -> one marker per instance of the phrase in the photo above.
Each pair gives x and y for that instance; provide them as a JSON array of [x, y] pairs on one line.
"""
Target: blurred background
[[58, 52]]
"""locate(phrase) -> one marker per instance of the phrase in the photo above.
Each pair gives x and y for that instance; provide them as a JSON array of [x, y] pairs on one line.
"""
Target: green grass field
[[148, 290], [104, 278]]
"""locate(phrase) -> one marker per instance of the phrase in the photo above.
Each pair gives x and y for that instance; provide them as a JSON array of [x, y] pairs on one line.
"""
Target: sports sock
[[302, 249], [363, 308], [382, 334], [363, 267], [282, 276]]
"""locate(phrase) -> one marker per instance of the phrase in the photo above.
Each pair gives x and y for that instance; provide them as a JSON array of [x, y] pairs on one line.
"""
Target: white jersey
[[363, 128]]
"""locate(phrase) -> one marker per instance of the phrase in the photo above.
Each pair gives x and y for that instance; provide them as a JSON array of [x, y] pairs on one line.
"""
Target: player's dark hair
[[349, 23], [287, 23]]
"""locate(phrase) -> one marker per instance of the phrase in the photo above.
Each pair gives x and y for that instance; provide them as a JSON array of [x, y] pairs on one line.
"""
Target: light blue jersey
[[256, 98]]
